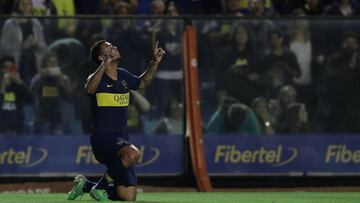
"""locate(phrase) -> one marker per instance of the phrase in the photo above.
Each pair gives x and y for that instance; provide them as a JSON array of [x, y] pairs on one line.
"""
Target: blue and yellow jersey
[[109, 104]]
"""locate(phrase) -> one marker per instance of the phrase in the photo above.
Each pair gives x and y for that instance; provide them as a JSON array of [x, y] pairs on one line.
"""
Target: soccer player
[[109, 89]]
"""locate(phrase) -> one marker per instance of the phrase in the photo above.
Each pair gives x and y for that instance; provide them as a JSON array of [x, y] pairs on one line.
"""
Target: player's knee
[[134, 156], [128, 197], [130, 155]]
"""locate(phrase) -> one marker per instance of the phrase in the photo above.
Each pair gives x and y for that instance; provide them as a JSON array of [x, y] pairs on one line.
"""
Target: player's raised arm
[[94, 79], [149, 73]]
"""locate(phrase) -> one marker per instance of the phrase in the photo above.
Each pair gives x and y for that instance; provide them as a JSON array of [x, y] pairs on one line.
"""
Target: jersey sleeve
[[132, 80]]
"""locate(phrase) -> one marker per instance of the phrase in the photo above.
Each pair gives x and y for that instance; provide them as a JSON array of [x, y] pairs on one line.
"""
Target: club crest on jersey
[[124, 84]]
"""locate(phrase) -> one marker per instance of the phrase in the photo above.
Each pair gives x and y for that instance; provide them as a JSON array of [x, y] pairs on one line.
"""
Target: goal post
[[193, 117]]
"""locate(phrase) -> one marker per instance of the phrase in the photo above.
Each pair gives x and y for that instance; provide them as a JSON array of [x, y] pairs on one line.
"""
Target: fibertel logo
[[86, 156], [278, 156], [342, 154], [24, 158]]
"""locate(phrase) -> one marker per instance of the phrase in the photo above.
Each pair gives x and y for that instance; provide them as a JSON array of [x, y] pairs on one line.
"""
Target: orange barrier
[[193, 119]]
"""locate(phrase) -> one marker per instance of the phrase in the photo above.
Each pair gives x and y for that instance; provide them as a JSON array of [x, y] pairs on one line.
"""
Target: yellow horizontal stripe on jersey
[[112, 99]]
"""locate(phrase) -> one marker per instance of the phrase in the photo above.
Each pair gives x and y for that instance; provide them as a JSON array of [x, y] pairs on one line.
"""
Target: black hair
[[235, 30], [236, 113], [226, 102], [7, 58], [95, 51]]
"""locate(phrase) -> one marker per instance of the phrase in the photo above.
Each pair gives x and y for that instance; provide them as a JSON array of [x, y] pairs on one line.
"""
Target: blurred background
[[279, 85]]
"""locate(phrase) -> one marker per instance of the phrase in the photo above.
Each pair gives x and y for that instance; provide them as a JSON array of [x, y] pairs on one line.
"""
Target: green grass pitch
[[215, 197]]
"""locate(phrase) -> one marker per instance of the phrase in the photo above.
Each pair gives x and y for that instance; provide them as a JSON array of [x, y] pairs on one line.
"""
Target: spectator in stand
[[219, 117], [171, 9], [138, 105], [50, 88], [23, 39], [266, 119], [343, 86], [68, 51], [47, 8], [172, 122], [126, 35], [280, 65], [232, 117], [277, 107], [65, 8], [14, 93], [242, 120], [296, 119], [122, 8], [213, 34], [240, 79], [342, 8], [260, 28], [133, 7], [301, 45], [232, 8], [313, 7], [257, 8], [158, 7], [169, 78], [44, 7], [105, 7]]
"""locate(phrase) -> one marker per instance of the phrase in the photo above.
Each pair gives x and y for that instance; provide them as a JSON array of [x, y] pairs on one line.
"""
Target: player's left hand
[[158, 53]]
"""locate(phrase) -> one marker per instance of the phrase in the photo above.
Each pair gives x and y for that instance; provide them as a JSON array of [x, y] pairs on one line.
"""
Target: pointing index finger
[[157, 45]]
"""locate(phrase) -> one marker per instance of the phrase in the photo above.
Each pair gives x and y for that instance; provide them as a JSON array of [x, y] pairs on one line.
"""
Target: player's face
[[108, 47]]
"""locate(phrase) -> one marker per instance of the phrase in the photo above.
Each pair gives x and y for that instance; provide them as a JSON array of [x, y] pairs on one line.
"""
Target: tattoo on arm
[[94, 79], [148, 75]]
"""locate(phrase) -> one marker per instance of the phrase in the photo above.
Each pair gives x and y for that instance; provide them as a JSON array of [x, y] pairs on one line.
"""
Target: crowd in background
[[288, 76], [257, 76], [192, 7], [45, 64]]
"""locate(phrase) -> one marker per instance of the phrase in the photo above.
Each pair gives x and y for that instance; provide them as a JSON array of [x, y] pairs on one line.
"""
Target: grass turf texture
[[187, 197]]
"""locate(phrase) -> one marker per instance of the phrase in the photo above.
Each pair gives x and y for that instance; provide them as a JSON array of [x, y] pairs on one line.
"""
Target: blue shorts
[[105, 149]]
